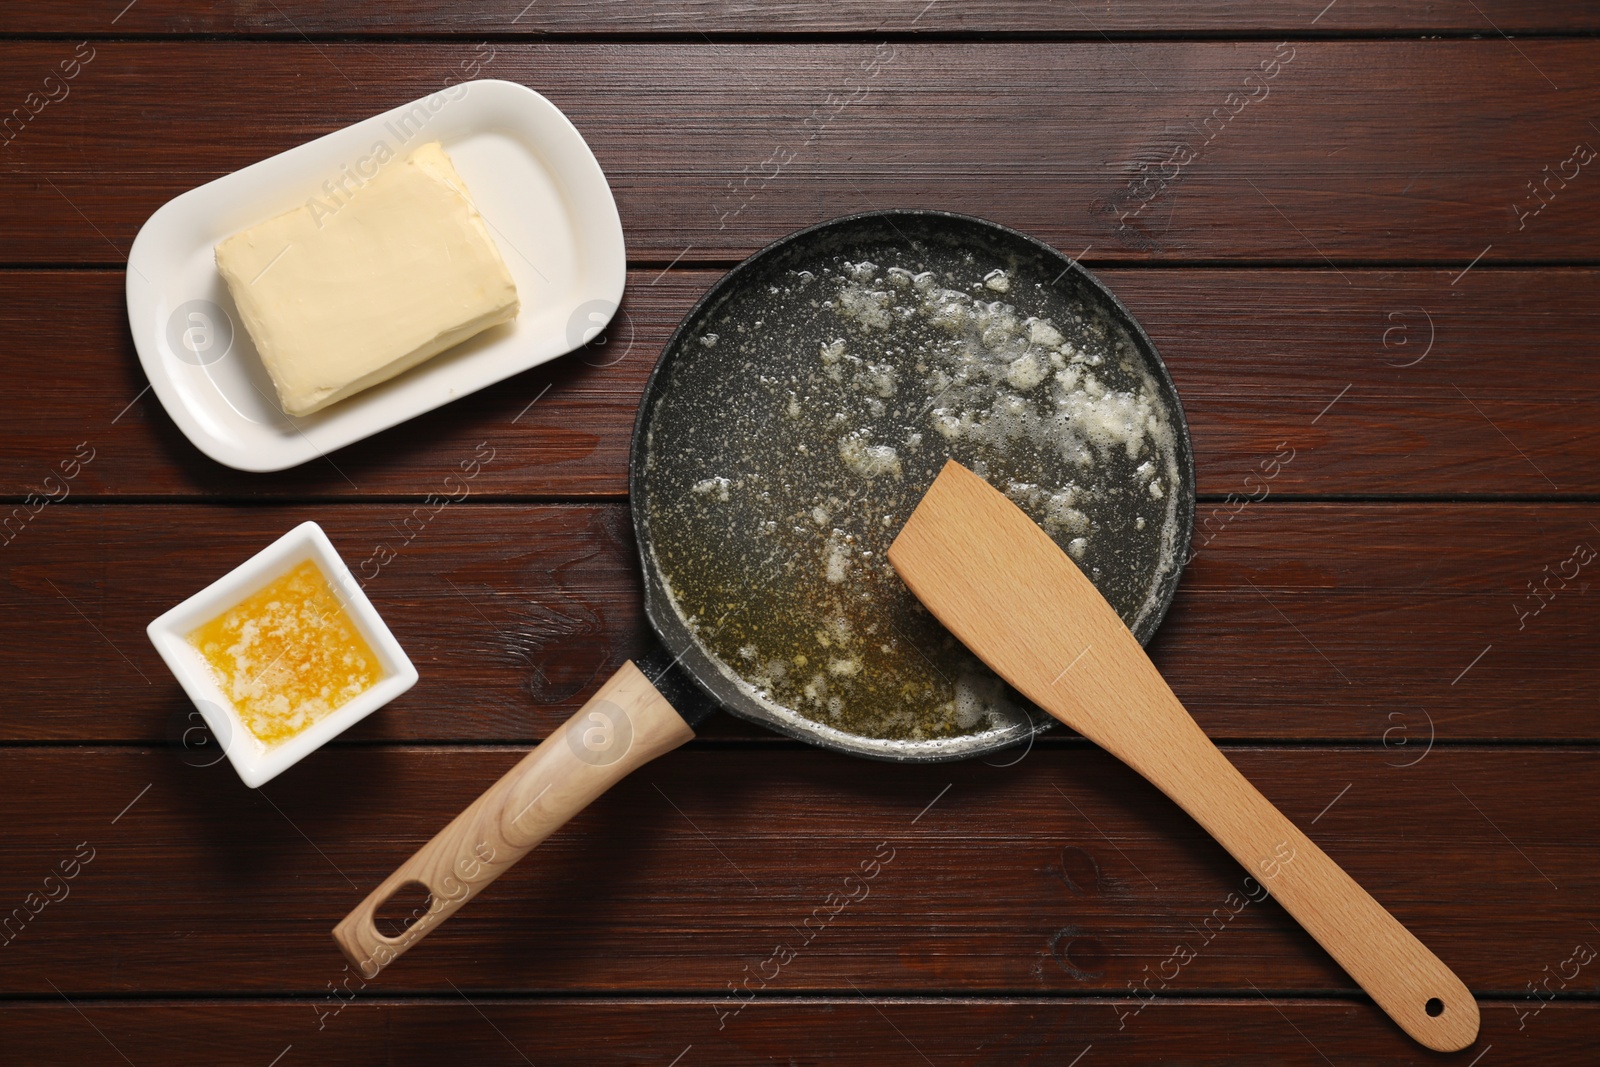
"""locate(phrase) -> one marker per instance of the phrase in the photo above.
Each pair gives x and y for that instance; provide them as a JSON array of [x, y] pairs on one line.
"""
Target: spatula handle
[[1398, 971], [625, 725]]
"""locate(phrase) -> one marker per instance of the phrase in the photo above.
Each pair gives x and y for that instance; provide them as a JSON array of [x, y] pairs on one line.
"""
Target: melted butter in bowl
[[279, 656], [288, 655]]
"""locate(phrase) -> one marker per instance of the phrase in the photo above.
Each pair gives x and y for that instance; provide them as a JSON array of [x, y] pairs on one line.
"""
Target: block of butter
[[348, 291]]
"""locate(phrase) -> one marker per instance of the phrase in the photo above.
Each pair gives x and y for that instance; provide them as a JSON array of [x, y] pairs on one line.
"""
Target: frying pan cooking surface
[[801, 409]]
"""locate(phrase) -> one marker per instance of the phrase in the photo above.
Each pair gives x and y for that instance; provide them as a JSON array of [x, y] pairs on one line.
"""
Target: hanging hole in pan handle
[[396, 914]]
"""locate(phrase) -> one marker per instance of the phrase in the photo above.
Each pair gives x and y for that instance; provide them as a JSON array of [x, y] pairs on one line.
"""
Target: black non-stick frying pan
[[791, 424]]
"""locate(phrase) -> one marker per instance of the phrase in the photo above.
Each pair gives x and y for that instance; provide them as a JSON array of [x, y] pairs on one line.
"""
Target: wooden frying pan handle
[[1399, 972], [625, 725]]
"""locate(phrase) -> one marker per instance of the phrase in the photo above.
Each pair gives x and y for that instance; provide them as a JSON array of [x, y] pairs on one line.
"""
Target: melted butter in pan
[[801, 426]]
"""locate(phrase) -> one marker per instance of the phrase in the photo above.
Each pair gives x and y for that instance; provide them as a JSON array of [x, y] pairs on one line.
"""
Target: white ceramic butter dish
[[537, 186]]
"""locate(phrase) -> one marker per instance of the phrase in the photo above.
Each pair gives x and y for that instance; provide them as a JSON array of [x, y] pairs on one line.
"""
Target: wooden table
[[1361, 235]]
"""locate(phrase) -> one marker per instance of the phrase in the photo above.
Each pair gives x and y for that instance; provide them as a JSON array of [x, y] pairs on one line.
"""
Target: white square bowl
[[255, 761]]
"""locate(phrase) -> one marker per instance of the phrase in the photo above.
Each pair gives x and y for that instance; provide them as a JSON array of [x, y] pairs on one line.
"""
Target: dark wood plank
[[1062, 874], [1484, 388], [844, 1030], [1064, 140], [293, 18], [1369, 622]]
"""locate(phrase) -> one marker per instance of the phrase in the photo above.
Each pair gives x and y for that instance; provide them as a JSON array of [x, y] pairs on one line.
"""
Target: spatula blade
[[1011, 595]]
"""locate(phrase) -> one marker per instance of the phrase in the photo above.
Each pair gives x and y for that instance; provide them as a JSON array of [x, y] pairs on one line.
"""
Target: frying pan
[[790, 426]]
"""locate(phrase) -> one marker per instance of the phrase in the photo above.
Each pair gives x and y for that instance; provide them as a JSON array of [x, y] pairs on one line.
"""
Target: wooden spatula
[[998, 582]]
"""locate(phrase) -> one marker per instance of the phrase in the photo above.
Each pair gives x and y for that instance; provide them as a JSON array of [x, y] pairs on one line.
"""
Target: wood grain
[[1016, 600], [1063, 874], [845, 1029], [1380, 382], [1081, 144], [291, 19], [1388, 624]]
